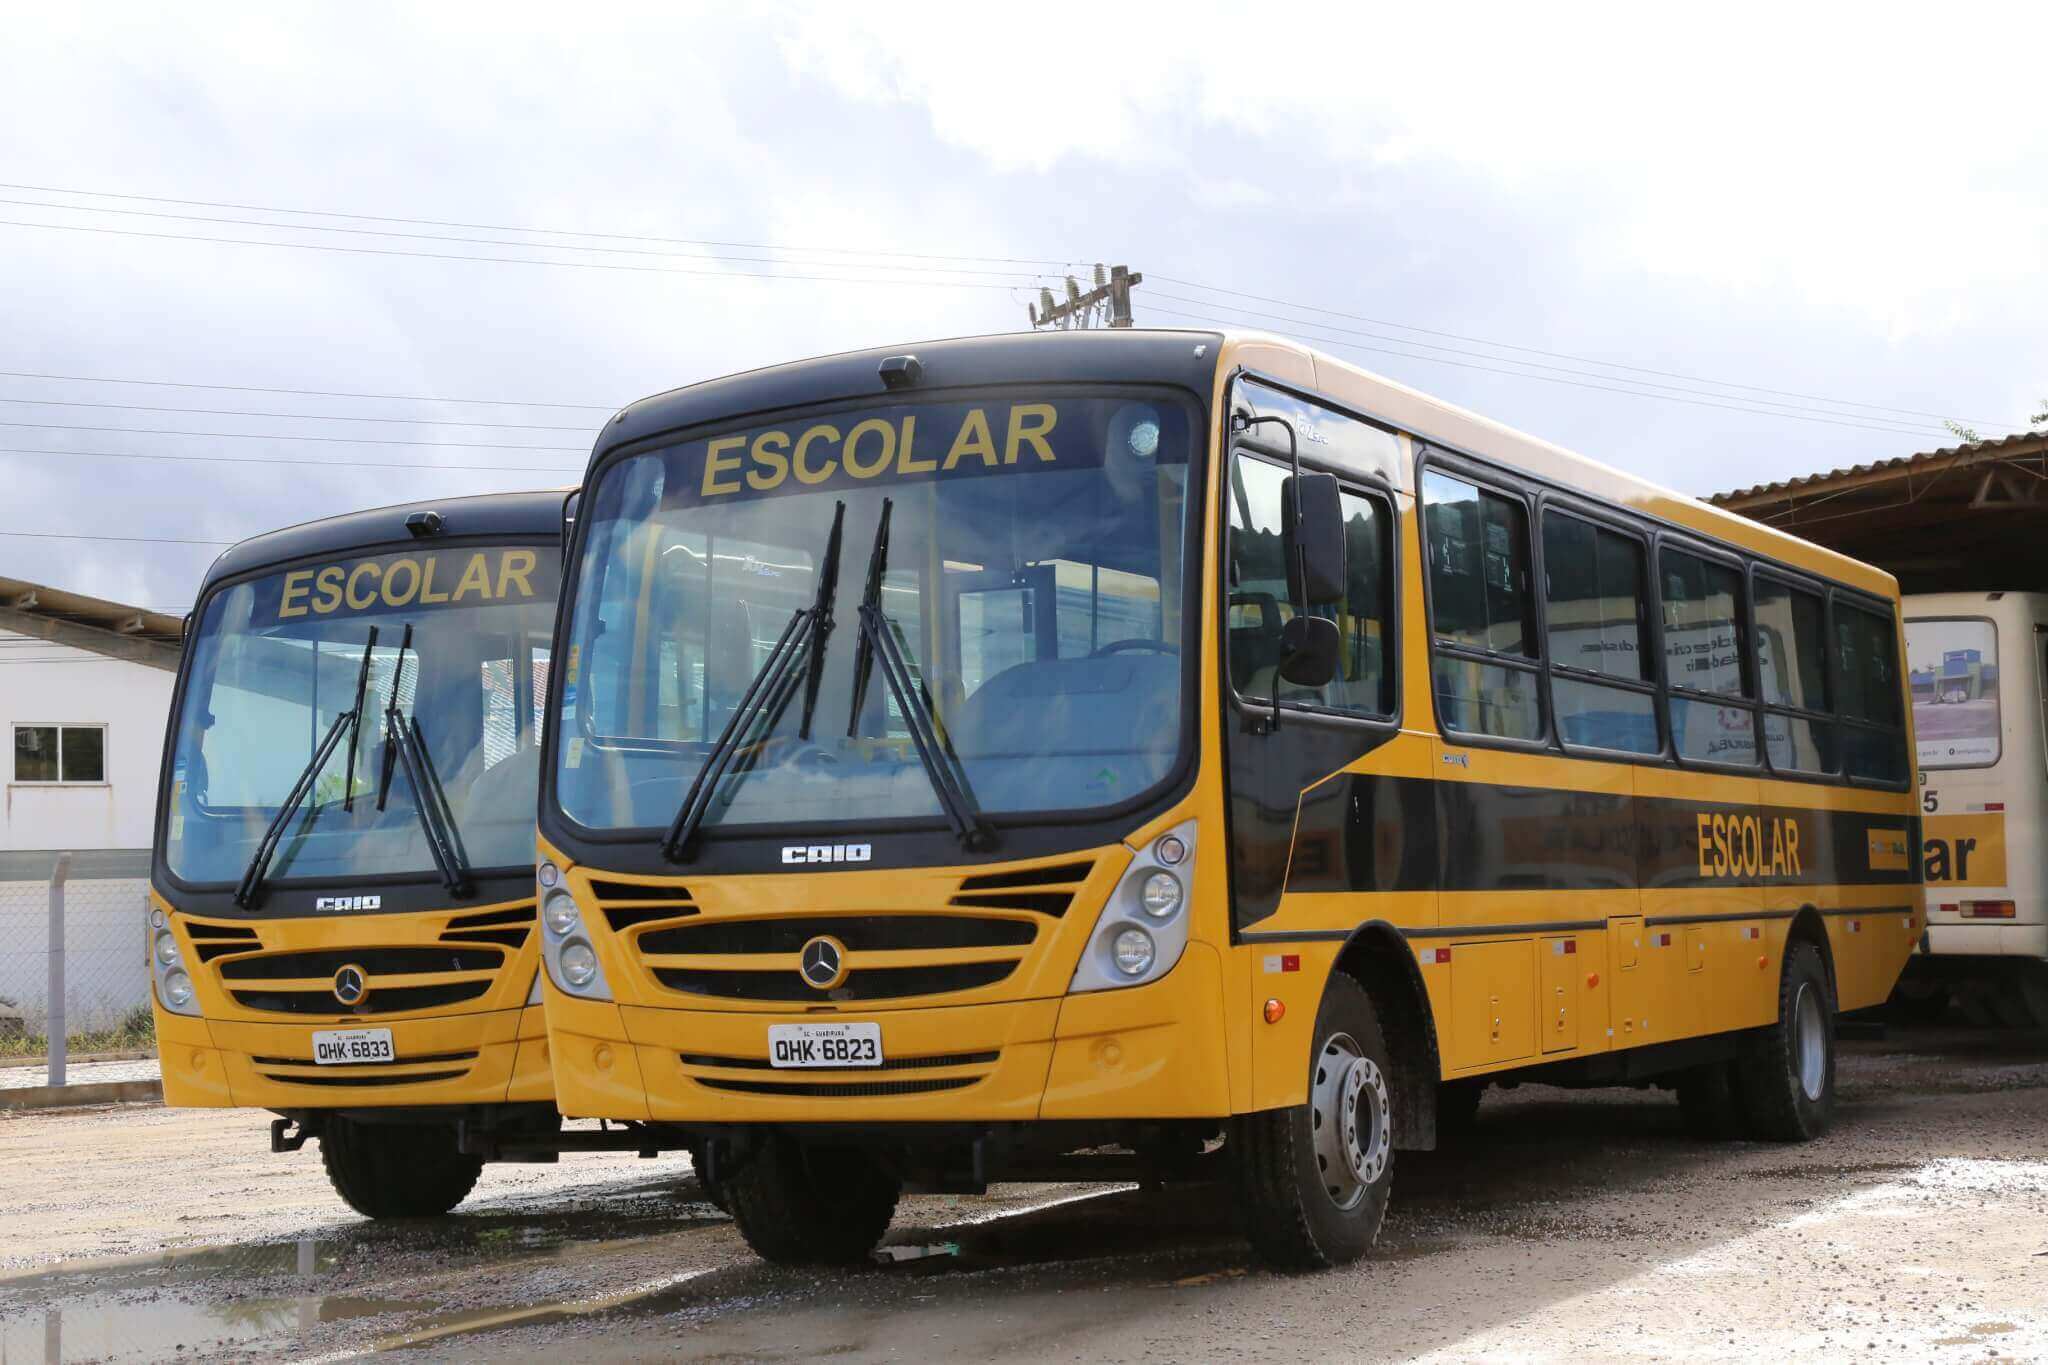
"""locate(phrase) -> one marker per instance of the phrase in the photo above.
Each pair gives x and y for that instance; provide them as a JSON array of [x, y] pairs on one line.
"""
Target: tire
[[1707, 1099], [714, 1190], [1785, 1076], [1313, 1179], [1457, 1108], [397, 1170], [798, 1204]]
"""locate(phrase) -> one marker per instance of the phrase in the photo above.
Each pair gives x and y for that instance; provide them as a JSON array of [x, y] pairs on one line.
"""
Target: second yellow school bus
[[1175, 752]]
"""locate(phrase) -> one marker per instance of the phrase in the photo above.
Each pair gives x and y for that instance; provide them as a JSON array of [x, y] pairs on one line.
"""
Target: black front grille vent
[[1039, 890]]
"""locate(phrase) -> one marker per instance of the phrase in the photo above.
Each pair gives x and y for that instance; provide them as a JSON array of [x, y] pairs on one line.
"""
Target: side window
[[1484, 669], [1710, 716], [1602, 680], [1873, 735], [1790, 652], [1258, 597]]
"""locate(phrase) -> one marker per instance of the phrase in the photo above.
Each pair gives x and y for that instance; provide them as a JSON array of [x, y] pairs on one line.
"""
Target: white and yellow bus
[[1148, 753], [341, 913], [1978, 668]]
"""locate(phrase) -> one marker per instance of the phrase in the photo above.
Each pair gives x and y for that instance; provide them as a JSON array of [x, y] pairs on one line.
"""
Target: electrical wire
[[132, 540], [270, 436], [296, 416], [317, 464], [550, 232], [308, 393]]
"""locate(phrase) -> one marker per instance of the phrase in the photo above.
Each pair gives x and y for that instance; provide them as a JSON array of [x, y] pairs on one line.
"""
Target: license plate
[[353, 1046], [824, 1045]]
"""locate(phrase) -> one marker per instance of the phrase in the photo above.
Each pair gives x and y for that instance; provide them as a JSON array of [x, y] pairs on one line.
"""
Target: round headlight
[[1171, 850], [156, 919], [166, 948], [1160, 895], [579, 963], [559, 910], [1132, 949], [177, 988], [550, 876]]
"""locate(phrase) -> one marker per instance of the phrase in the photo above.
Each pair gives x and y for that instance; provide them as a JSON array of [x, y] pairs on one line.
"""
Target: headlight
[[166, 948], [550, 876], [1171, 850], [157, 919], [1133, 952], [579, 963], [559, 910], [177, 988], [1160, 895]]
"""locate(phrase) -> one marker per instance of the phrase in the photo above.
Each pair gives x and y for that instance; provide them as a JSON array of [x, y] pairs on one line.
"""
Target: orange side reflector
[[1276, 1010]]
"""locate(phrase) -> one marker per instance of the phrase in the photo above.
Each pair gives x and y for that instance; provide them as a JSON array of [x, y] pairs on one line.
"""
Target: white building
[[85, 690]]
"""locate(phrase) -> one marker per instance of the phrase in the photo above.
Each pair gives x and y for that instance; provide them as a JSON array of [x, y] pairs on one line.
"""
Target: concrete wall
[[46, 683]]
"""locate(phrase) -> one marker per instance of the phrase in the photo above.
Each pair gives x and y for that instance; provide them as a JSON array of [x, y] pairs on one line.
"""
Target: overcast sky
[[1848, 212]]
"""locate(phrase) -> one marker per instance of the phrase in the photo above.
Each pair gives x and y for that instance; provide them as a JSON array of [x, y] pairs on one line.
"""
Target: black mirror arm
[[1245, 422]]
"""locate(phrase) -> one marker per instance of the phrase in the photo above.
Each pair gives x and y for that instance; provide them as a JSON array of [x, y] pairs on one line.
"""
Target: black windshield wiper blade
[[405, 747], [266, 847], [769, 692], [879, 644]]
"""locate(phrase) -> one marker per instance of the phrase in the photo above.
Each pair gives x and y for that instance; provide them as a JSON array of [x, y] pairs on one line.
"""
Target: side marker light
[[1276, 1010]]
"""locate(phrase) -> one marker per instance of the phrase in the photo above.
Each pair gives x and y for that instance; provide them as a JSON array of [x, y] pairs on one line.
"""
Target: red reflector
[[1290, 962], [1990, 910], [1994, 805], [1443, 954]]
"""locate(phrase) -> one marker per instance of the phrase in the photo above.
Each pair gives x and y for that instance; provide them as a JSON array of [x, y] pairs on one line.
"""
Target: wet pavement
[[1569, 1226]]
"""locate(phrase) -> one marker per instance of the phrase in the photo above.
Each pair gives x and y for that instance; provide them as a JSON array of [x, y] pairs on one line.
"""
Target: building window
[[60, 753]]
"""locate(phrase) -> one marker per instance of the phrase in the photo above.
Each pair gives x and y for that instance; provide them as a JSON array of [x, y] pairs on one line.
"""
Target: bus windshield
[[1031, 586], [275, 659]]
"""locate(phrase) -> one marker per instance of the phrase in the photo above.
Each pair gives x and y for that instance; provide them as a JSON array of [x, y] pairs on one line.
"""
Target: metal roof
[[113, 629], [2020, 443]]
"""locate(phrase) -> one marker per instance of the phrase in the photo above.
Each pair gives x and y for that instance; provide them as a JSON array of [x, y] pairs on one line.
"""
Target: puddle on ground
[[197, 1300], [164, 1306]]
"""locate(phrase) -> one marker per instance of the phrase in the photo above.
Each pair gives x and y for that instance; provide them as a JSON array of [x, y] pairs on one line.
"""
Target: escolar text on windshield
[[406, 582]]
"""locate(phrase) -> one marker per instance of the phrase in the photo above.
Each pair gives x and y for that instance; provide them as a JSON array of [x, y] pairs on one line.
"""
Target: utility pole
[[1108, 304]]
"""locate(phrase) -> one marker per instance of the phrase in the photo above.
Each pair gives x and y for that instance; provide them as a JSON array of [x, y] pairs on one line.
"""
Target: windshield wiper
[[767, 696], [879, 642], [405, 746], [266, 847]]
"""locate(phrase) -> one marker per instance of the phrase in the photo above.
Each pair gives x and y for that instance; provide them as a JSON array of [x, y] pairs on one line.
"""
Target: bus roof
[[1193, 359], [536, 514]]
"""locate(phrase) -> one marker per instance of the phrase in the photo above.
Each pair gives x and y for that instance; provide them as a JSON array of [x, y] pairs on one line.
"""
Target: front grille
[[378, 962], [862, 983], [359, 1066], [860, 934], [1040, 890], [210, 941], [381, 999], [626, 904], [892, 1064], [412, 1078], [839, 1090], [506, 928]]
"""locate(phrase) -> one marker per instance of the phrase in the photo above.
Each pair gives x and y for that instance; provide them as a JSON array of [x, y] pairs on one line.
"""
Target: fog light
[[579, 963], [559, 910], [166, 948], [1160, 895], [1132, 952], [177, 988]]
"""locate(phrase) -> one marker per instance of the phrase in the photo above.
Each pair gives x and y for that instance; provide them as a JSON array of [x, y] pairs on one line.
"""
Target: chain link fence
[[71, 958]]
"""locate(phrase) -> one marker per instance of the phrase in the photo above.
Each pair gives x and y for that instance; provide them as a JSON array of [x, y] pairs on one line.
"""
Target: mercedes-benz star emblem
[[350, 985], [824, 963]]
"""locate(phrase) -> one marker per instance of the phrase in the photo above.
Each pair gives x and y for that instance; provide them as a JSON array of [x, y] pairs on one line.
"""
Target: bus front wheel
[[1785, 1077], [800, 1204], [1314, 1177], [392, 1170]]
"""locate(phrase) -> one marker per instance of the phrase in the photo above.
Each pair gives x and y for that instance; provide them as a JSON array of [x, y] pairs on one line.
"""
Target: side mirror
[[1309, 646], [1312, 539]]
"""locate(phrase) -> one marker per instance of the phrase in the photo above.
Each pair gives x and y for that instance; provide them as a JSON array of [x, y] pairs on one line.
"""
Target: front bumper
[[486, 1057], [1148, 1052]]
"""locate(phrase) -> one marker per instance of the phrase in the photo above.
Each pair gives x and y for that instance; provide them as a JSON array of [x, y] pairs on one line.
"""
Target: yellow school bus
[[341, 911], [1158, 753]]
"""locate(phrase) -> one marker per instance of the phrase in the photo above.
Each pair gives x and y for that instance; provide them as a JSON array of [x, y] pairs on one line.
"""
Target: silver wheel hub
[[1809, 1042], [1351, 1119]]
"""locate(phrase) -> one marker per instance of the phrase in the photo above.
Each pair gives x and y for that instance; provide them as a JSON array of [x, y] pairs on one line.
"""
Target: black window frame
[[1827, 716], [1745, 632], [1893, 614], [1431, 457], [1651, 604], [1257, 711]]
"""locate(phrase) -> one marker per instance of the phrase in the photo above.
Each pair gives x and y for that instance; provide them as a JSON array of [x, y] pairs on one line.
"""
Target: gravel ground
[[1579, 1227]]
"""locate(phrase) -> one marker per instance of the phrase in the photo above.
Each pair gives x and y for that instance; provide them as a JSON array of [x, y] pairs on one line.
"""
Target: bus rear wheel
[[393, 1170], [798, 1204], [1785, 1077], [1314, 1178]]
